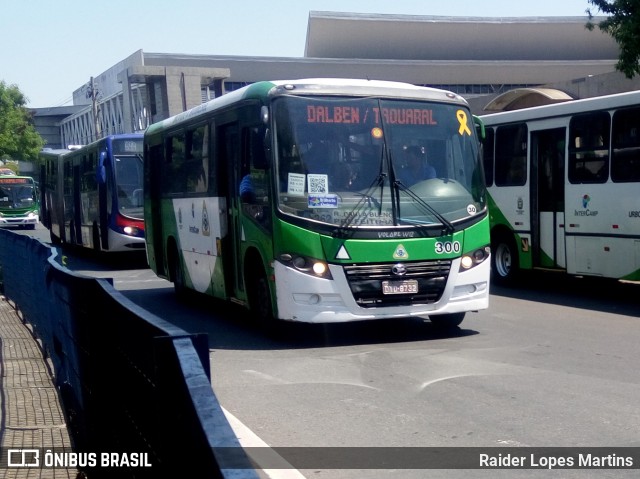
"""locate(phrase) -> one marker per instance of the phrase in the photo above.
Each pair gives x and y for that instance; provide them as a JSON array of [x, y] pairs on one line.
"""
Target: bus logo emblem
[[205, 220], [400, 253]]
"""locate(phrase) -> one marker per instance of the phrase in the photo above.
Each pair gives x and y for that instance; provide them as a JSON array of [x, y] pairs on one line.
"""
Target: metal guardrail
[[129, 381]]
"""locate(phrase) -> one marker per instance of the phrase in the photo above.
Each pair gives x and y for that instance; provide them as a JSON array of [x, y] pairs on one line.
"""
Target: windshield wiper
[[366, 199], [370, 200], [447, 225]]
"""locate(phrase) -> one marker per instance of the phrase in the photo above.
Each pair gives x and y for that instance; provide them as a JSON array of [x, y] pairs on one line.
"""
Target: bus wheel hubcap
[[503, 260]]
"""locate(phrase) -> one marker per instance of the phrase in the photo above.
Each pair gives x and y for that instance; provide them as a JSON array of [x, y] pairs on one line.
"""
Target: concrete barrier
[[131, 383]]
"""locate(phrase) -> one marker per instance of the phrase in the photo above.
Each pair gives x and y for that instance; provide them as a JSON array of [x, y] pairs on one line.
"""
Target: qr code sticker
[[318, 184]]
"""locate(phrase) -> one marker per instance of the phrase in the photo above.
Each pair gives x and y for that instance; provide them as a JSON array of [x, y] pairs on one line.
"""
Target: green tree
[[19, 139], [623, 24]]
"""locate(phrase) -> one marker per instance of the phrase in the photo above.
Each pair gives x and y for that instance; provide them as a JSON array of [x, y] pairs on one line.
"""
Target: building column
[[127, 116]]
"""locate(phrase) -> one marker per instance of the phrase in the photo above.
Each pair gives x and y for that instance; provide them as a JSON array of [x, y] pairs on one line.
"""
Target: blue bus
[[92, 196]]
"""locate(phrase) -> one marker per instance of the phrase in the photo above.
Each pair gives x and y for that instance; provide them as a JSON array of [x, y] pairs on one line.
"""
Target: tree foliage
[[19, 139], [623, 24]]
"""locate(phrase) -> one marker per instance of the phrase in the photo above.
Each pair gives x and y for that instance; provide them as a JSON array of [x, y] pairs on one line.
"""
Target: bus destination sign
[[355, 115], [14, 181]]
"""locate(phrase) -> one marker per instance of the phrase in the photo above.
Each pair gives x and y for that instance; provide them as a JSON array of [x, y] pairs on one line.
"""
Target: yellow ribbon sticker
[[461, 115]]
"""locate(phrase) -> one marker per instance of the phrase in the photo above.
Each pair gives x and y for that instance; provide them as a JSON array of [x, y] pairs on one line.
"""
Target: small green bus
[[19, 202], [298, 199]]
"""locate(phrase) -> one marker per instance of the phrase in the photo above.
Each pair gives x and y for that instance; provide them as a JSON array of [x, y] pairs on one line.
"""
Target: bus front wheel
[[260, 300], [447, 321], [505, 260]]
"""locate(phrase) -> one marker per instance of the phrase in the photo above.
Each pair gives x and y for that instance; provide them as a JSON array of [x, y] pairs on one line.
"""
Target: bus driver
[[415, 167]]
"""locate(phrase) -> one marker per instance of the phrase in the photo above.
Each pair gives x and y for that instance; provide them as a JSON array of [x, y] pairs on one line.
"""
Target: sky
[[49, 48]]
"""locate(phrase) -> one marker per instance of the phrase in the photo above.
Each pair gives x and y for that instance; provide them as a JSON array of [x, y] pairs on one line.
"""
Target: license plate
[[408, 286]]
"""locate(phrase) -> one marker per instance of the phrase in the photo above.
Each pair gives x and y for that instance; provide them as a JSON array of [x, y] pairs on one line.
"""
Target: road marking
[[266, 377], [249, 439], [433, 381]]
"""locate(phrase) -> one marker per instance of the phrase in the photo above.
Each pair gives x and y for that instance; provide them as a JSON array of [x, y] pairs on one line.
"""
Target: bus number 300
[[447, 247]]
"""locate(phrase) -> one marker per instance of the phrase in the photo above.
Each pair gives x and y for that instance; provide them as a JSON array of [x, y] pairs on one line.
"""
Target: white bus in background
[[564, 187]]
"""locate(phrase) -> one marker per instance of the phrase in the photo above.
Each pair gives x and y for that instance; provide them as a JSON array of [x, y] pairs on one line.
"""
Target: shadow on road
[[76, 258], [230, 326], [596, 294]]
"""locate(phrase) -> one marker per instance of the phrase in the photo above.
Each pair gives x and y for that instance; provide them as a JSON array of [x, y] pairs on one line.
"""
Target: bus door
[[105, 186], [547, 197], [228, 139]]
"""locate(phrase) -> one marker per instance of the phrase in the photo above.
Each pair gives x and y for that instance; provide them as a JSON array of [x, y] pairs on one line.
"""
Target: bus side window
[[589, 148], [625, 162], [197, 161], [511, 155], [175, 173]]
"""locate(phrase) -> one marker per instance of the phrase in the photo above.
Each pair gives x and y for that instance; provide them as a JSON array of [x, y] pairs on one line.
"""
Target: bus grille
[[365, 281]]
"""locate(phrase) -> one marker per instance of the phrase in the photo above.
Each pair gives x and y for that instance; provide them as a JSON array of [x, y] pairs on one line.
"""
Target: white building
[[480, 58]]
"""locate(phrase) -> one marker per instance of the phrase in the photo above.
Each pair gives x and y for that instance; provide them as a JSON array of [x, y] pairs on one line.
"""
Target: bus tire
[[72, 233], [176, 273], [447, 321], [504, 257], [96, 238], [54, 239], [260, 300]]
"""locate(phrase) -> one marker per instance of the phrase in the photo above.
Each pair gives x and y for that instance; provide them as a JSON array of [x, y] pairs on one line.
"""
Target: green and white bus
[[19, 201], [286, 197], [564, 184]]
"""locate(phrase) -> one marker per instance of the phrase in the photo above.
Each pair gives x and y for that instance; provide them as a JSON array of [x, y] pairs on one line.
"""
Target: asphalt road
[[552, 362]]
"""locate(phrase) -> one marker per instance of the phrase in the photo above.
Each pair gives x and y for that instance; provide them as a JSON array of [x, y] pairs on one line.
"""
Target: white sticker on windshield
[[471, 209], [295, 184]]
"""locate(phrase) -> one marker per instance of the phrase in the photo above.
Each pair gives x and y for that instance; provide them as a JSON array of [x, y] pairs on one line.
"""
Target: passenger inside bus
[[414, 167], [246, 190]]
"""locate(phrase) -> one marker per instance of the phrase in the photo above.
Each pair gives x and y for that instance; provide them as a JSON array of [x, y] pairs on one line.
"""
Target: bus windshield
[[374, 162], [16, 194], [129, 178]]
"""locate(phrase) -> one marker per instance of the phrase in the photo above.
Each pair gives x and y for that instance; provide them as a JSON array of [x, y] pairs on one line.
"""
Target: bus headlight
[[474, 258], [307, 265], [129, 226]]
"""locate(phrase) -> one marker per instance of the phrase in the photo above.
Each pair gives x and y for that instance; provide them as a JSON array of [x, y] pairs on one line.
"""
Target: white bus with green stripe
[[292, 198], [564, 184]]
